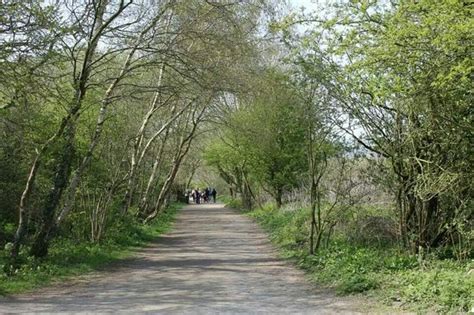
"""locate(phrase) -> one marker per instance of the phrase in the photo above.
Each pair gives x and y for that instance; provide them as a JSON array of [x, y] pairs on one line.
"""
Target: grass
[[230, 202], [386, 272], [68, 258]]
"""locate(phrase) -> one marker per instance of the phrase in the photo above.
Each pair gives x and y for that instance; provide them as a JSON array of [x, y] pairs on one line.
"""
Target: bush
[[231, 202], [372, 229]]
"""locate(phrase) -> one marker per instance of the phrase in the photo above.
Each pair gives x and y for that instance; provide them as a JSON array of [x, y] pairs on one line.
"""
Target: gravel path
[[214, 261]]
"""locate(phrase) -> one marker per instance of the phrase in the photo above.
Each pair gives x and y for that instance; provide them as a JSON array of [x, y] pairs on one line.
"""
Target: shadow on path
[[215, 260]]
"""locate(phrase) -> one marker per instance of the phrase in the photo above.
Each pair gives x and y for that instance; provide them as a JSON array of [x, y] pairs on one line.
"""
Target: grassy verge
[[387, 273], [68, 258], [230, 202]]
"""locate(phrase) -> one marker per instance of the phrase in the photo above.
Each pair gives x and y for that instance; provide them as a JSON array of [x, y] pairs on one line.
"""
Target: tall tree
[[400, 74]]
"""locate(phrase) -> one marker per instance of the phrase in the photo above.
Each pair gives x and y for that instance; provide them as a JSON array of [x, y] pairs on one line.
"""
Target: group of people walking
[[204, 196]]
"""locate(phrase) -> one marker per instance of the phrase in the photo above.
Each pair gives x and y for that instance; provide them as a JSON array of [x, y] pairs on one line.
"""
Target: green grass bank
[[385, 272], [68, 258]]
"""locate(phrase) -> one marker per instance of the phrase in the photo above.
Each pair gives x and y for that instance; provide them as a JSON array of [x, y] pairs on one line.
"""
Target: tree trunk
[[135, 160], [317, 244], [63, 167], [329, 234], [23, 213], [183, 149], [278, 196], [164, 190], [40, 244], [313, 231], [106, 101], [313, 216], [143, 207], [127, 199], [432, 224], [186, 144], [246, 196]]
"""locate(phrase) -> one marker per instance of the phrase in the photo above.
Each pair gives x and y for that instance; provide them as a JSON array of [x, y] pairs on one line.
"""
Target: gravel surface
[[214, 261]]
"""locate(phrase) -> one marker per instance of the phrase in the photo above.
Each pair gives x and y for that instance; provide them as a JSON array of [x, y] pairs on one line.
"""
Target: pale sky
[[309, 5]]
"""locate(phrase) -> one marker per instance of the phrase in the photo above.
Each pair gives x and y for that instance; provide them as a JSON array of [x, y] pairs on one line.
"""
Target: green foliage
[[357, 283], [68, 257], [263, 141], [400, 75], [87, 134], [288, 228], [446, 284], [231, 202], [386, 272]]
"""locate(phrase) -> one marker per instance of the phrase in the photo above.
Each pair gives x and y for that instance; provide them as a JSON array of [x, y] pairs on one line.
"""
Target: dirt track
[[214, 261]]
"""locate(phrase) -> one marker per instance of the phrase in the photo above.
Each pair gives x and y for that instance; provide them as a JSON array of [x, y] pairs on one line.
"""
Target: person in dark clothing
[[198, 196], [193, 195], [214, 194], [206, 195]]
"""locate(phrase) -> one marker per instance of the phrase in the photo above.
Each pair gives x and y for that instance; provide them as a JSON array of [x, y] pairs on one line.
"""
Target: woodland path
[[214, 261]]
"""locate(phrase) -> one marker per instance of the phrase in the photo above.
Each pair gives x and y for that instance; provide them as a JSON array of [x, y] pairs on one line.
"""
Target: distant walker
[[214, 195]]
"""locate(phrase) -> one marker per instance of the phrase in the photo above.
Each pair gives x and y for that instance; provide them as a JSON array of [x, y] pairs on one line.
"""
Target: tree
[[399, 73], [267, 137], [67, 129]]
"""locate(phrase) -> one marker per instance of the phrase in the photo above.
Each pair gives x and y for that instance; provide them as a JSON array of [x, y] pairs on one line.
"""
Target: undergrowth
[[68, 257], [231, 202], [386, 272]]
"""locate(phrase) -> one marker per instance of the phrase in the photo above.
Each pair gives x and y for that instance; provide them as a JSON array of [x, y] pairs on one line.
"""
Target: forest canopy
[[359, 112]]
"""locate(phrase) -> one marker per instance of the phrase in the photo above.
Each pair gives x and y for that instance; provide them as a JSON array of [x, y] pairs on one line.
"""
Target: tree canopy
[[109, 109]]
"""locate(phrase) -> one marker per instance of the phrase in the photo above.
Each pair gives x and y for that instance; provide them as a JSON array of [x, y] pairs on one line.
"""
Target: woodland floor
[[214, 260]]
